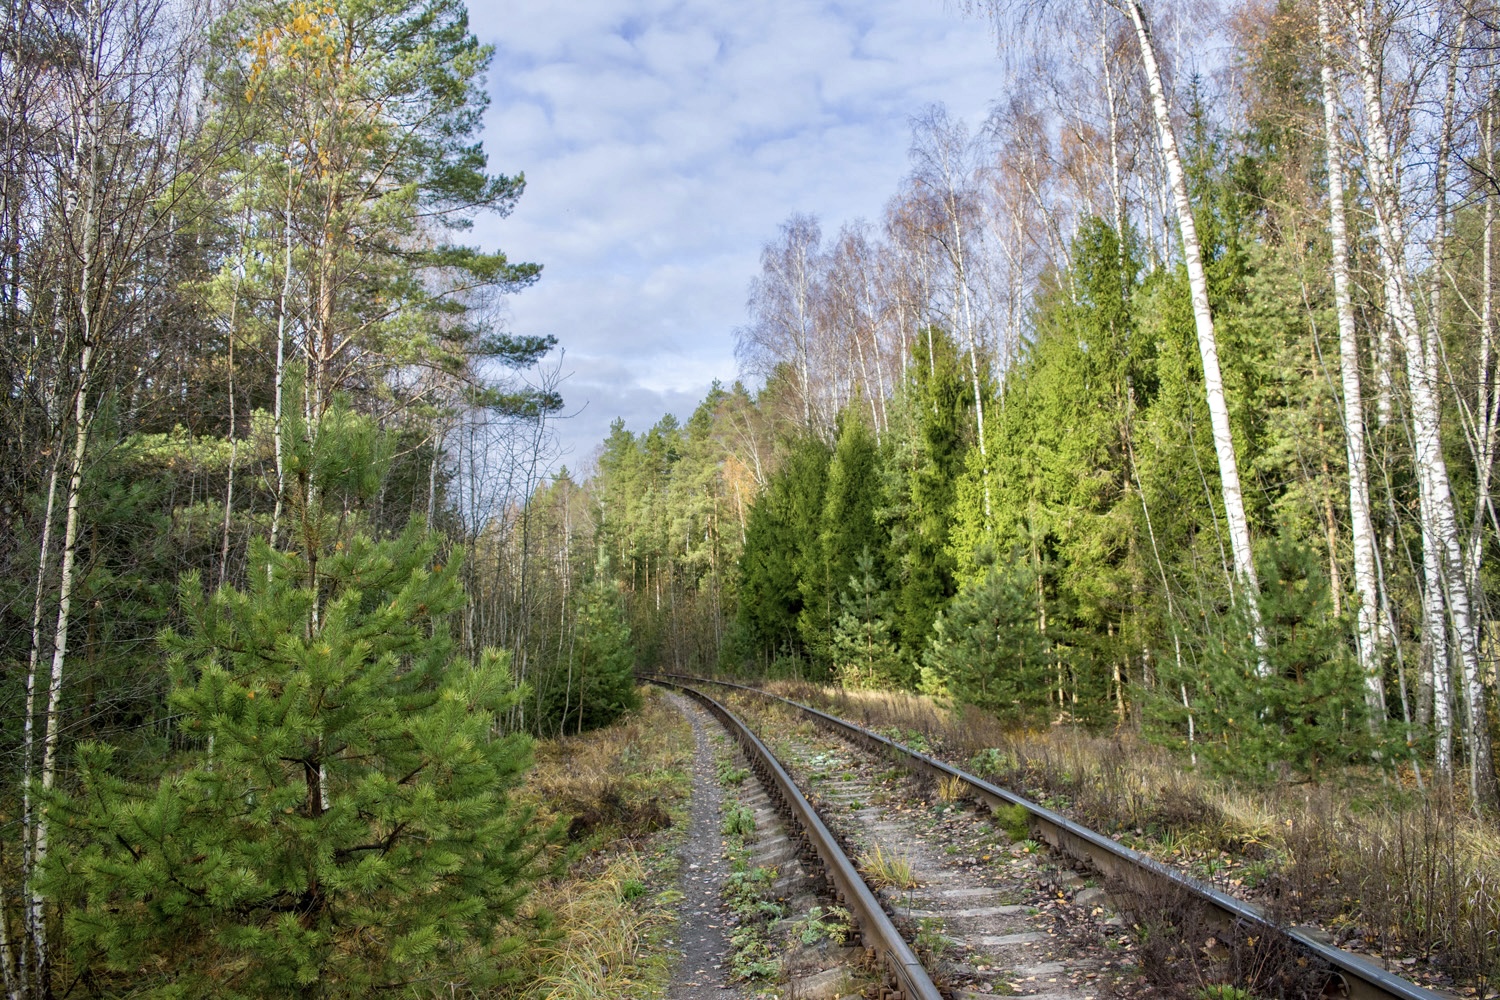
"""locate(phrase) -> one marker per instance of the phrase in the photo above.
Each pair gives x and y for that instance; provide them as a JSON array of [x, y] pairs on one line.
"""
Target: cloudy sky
[[664, 141]]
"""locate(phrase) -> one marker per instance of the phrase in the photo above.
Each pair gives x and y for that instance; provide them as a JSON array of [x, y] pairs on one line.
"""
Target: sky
[[665, 141]]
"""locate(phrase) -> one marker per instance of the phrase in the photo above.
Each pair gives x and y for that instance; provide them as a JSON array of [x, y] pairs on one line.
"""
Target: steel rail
[[1360, 978], [876, 930]]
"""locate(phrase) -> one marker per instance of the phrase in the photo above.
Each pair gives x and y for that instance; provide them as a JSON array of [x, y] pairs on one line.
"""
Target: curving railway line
[[1343, 973]]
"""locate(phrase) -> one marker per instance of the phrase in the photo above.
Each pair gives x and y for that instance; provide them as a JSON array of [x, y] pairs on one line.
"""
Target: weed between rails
[[1409, 876], [739, 821], [886, 869], [764, 939], [747, 893], [607, 922]]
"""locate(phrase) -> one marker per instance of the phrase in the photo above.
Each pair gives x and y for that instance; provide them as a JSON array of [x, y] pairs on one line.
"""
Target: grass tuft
[[886, 870], [1015, 821], [951, 788]]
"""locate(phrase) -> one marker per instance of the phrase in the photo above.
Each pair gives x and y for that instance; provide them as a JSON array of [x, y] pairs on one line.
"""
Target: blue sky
[[664, 141]]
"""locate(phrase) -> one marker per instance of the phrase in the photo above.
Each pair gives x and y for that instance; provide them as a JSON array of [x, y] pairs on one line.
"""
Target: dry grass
[[951, 788], [886, 869], [623, 791], [1402, 874], [601, 948], [616, 782], [1421, 880]]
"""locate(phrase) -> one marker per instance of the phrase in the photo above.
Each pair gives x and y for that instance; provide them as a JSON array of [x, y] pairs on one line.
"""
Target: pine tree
[[338, 821], [1308, 711]]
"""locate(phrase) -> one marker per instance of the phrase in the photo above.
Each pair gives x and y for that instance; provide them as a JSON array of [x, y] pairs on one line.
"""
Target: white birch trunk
[[88, 246], [1439, 676], [1487, 400], [1441, 544], [1362, 525], [277, 422], [28, 729], [966, 315], [234, 441], [53, 732], [1116, 184], [1208, 348]]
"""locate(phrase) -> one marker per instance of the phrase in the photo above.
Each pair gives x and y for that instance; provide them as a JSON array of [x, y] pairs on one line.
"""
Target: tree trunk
[[1487, 400], [234, 442], [1208, 348], [278, 435], [1441, 545], [48, 772], [1362, 525]]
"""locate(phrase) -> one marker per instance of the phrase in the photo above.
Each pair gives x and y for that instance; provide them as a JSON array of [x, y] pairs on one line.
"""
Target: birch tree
[[1443, 564], [1208, 347], [1362, 528], [1231, 491], [783, 310], [943, 153], [126, 115]]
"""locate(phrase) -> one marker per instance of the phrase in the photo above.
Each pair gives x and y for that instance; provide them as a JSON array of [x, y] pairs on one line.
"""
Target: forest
[[1162, 401]]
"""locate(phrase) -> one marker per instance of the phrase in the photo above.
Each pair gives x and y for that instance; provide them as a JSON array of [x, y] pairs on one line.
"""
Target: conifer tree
[[986, 649], [850, 529], [603, 660], [1309, 711], [926, 459], [338, 821], [782, 567], [864, 650]]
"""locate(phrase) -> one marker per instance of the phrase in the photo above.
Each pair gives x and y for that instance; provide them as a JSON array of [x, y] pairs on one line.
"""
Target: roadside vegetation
[[606, 918]]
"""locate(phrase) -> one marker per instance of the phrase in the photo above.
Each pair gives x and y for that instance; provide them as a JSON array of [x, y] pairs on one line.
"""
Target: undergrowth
[[604, 926]]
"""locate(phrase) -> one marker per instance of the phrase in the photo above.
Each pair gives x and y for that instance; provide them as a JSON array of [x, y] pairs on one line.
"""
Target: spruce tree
[[864, 650], [928, 459], [782, 569], [849, 531], [986, 649]]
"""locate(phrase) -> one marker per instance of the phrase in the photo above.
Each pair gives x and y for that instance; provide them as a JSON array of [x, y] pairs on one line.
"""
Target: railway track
[[1346, 974]]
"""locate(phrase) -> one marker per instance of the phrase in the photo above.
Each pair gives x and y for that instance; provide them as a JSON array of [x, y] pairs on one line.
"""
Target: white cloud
[[665, 140]]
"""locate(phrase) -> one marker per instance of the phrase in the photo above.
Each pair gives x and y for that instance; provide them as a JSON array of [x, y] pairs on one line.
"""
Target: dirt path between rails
[[703, 927]]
